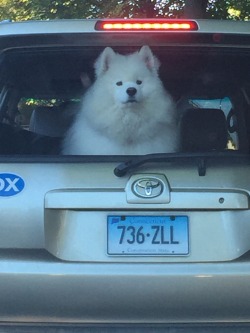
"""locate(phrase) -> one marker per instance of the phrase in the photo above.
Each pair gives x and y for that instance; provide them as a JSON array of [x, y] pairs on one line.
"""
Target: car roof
[[89, 26]]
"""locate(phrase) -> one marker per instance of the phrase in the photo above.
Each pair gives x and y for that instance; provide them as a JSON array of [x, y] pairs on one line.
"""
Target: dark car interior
[[41, 90]]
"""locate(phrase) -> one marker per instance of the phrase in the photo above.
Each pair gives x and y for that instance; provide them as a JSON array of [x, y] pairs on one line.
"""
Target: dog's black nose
[[131, 91]]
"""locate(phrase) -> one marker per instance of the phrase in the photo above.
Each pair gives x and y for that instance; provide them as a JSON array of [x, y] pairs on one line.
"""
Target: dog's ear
[[103, 61], [150, 60]]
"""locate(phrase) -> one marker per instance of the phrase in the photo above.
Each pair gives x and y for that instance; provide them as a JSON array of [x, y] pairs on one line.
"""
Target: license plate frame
[[148, 235]]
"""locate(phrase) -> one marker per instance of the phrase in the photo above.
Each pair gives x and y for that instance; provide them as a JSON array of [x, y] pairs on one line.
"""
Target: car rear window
[[42, 88]]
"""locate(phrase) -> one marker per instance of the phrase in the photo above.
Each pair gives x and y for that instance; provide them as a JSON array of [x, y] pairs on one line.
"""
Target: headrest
[[53, 121], [204, 130]]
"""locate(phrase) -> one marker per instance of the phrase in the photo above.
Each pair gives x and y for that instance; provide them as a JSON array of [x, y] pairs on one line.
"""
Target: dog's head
[[129, 77]]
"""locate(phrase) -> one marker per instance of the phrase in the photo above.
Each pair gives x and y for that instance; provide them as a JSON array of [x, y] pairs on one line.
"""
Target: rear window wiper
[[199, 158]]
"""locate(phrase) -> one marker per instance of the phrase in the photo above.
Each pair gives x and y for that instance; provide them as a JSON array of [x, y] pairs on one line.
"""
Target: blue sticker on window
[[10, 184]]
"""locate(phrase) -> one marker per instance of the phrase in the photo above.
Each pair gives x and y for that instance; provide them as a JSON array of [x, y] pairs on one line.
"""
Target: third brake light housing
[[146, 25]]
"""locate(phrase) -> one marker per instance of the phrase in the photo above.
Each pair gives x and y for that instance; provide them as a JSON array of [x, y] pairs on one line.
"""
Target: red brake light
[[146, 25]]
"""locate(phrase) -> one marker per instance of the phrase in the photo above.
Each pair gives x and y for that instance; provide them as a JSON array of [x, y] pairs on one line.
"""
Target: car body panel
[[73, 190], [59, 292], [86, 26]]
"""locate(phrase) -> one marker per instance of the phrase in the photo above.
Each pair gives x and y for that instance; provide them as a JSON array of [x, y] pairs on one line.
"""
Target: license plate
[[148, 235]]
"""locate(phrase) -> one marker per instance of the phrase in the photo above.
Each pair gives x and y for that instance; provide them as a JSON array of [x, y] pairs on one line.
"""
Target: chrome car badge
[[147, 187]]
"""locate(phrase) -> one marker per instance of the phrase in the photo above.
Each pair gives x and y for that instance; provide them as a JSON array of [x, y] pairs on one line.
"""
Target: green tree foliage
[[45, 9], [231, 9], [56, 9]]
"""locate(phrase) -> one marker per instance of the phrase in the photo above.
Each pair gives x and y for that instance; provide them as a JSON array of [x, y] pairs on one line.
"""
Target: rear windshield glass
[[91, 101]]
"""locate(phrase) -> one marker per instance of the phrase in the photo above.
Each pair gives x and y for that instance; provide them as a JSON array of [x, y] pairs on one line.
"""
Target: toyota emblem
[[147, 187]]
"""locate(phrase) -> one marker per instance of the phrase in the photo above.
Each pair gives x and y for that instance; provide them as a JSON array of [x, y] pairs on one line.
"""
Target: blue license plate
[[148, 235]]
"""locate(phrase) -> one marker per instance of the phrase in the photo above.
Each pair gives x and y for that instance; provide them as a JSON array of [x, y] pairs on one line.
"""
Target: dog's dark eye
[[119, 83], [139, 82]]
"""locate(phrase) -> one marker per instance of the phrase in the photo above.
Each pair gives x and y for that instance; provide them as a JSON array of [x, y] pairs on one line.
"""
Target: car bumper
[[37, 288]]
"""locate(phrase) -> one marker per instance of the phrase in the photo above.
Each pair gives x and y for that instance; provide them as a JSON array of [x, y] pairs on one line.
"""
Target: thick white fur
[[112, 122]]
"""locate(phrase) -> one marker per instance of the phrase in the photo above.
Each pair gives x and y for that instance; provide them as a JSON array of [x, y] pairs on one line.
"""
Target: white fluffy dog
[[126, 111]]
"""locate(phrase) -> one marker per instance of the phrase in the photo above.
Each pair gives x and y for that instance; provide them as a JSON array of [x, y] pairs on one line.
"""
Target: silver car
[[122, 242]]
